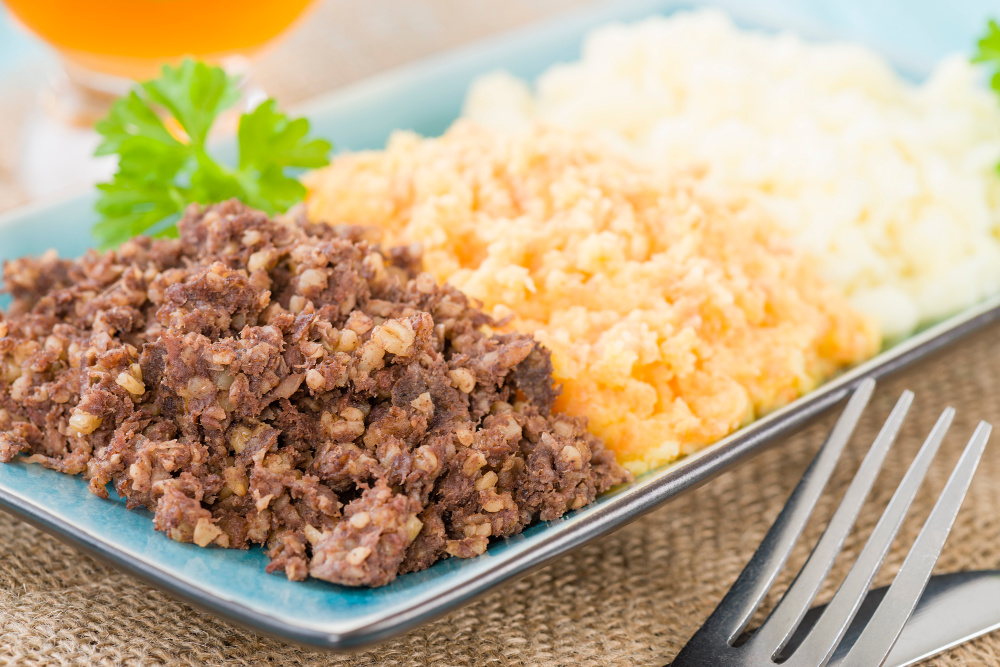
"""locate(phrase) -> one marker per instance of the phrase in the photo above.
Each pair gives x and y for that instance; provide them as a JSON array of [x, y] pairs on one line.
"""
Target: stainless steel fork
[[824, 644]]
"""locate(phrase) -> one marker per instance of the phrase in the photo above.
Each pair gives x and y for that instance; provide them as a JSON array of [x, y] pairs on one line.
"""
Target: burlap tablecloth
[[630, 599]]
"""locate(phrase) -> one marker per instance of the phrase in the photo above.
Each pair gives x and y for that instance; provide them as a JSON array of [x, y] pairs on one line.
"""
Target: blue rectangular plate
[[425, 97]]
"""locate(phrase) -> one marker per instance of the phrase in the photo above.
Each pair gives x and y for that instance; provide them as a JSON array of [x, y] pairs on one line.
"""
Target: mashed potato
[[674, 314], [892, 186]]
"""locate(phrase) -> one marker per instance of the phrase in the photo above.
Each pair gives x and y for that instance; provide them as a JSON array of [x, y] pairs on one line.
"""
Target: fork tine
[[734, 612], [819, 645], [786, 616], [878, 637]]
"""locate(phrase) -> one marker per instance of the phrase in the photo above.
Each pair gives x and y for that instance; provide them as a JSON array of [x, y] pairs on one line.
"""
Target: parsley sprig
[[988, 53], [160, 172]]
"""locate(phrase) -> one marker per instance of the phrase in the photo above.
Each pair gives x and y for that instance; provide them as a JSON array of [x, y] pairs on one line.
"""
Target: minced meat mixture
[[264, 381]]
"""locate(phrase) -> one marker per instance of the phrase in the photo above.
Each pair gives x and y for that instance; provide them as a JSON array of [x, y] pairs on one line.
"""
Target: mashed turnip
[[892, 186]]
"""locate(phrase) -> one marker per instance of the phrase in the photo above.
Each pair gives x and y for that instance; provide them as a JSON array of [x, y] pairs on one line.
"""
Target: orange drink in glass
[[105, 45], [132, 38]]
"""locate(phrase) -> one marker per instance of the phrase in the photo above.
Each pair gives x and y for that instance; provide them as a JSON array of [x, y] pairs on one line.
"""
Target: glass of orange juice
[[107, 44]]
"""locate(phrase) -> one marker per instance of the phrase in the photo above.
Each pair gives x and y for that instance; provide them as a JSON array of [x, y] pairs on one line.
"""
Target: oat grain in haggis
[[675, 314]]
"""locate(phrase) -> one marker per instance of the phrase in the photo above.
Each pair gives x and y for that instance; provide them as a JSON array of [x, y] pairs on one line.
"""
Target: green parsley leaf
[[194, 94], [269, 143], [159, 173], [988, 52], [269, 137], [988, 47], [131, 120]]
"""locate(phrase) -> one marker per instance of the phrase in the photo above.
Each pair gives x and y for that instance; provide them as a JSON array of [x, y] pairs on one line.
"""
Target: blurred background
[[49, 96]]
